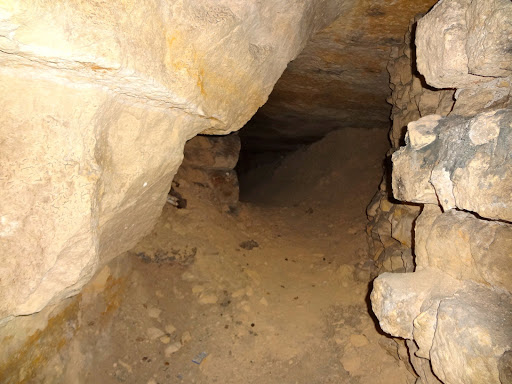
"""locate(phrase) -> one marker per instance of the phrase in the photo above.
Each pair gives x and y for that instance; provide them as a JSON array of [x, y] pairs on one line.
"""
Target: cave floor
[[276, 293]]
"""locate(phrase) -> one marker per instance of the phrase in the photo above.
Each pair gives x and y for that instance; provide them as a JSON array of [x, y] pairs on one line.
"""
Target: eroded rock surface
[[209, 163], [455, 309], [461, 162], [98, 101]]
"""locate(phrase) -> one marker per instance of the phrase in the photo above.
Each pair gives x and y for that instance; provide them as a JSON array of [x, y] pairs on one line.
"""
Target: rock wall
[[338, 81], [391, 223], [455, 309], [98, 100]]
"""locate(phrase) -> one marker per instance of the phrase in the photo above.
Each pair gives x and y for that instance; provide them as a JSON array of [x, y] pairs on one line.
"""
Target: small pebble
[[173, 348], [187, 276], [208, 298], [197, 289], [154, 333], [238, 293], [358, 340], [186, 337], [154, 313]]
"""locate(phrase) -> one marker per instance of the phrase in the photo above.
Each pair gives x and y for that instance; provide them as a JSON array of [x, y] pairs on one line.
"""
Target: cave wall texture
[[454, 312], [339, 79], [98, 101]]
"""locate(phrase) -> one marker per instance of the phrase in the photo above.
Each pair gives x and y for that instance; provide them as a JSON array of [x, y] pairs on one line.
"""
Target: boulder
[[465, 329], [212, 152], [461, 43], [459, 162], [399, 298], [473, 331], [98, 100], [488, 38], [209, 163]]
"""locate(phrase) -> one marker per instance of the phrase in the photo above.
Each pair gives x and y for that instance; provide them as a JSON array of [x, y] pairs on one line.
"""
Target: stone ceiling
[[339, 79]]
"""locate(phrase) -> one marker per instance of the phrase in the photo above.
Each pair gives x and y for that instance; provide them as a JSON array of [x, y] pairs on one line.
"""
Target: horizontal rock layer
[[338, 80]]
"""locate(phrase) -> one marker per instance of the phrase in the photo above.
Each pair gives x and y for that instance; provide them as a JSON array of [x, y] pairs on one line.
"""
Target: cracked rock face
[[455, 309], [461, 162], [98, 101]]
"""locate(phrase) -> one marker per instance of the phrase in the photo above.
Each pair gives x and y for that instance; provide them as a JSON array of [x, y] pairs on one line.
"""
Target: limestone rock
[[397, 298], [212, 152], [489, 96], [209, 162], [474, 330], [339, 79], [173, 348], [390, 234], [466, 167], [489, 38], [98, 101], [505, 367], [422, 132], [455, 310], [465, 247], [464, 329], [421, 365], [462, 42], [402, 223], [441, 41], [218, 185]]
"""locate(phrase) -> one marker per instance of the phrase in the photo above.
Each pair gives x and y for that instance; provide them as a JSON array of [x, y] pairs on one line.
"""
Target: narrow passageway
[[275, 293], [265, 192]]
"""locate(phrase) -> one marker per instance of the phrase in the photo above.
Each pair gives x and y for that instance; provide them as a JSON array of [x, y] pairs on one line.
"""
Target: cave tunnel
[[271, 192]]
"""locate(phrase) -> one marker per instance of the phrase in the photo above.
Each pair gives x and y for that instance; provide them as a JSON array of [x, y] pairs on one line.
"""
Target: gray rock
[[466, 167]]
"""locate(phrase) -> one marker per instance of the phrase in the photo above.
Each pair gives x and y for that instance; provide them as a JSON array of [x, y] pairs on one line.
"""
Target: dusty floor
[[276, 293]]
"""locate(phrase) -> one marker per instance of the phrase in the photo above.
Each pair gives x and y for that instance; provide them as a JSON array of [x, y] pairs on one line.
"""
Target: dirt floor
[[276, 292]]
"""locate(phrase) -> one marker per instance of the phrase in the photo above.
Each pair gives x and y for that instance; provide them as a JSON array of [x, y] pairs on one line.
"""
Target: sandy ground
[[275, 293]]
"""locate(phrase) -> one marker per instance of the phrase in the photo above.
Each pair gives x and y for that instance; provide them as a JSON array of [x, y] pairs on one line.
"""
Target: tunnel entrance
[[273, 289]]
